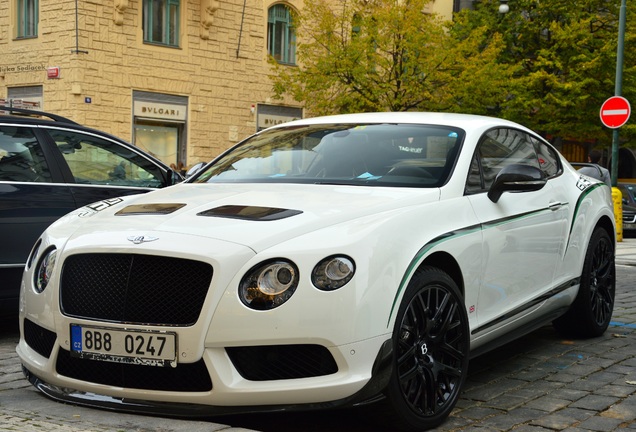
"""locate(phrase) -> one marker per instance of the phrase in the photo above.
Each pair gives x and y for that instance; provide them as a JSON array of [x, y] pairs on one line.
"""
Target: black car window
[[21, 156], [94, 160], [474, 183], [499, 148]]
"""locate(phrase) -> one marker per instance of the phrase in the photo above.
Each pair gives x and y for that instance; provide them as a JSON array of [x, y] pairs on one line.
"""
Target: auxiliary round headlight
[[333, 272], [269, 284], [44, 270]]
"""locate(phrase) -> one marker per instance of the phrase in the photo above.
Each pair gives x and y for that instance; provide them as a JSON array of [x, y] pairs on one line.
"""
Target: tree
[[388, 55], [567, 57]]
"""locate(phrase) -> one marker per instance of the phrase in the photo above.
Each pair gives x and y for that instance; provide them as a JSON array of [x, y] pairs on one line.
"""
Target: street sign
[[615, 112]]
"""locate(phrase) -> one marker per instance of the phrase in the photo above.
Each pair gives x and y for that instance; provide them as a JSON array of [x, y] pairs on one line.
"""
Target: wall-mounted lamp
[[503, 6]]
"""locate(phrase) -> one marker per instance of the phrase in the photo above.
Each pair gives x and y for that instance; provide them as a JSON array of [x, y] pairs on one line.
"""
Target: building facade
[[182, 79]]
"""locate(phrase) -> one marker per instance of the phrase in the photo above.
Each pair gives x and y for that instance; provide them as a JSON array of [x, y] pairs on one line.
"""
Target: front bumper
[[291, 395], [217, 382]]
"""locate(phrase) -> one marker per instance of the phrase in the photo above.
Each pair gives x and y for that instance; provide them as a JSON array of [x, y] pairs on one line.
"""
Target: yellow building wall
[[221, 65]]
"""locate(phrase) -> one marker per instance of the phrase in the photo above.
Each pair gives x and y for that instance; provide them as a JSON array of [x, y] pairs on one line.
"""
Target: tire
[[591, 312], [431, 343]]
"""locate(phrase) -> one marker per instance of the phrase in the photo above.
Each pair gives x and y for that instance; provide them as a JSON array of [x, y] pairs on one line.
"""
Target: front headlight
[[332, 273], [44, 270], [269, 284]]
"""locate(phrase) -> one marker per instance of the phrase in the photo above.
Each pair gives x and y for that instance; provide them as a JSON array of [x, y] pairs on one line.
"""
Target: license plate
[[151, 348]]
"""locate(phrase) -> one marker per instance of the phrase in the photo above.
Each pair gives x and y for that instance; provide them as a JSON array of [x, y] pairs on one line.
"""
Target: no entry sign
[[615, 112]]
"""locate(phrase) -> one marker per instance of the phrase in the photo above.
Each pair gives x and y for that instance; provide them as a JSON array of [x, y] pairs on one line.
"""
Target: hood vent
[[149, 209], [250, 213]]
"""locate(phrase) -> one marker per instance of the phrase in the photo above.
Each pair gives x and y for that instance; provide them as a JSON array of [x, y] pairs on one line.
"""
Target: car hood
[[254, 215]]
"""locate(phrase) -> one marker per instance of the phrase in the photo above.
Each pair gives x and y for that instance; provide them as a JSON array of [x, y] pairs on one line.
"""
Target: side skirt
[[532, 303]]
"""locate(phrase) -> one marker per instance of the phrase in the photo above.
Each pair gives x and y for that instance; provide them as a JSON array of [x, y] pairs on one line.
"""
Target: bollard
[[617, 198]]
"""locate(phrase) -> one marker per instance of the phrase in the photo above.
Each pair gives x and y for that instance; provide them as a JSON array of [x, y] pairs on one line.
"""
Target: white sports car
[[323, 262]]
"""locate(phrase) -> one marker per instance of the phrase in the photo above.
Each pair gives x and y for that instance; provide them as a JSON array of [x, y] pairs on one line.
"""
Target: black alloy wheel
[[431, 351], [591, 312], [602, 282]]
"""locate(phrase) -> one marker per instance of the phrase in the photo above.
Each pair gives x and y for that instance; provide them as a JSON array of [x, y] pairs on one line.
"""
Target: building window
[[161, 22], [160, 126], [27, 19], [281, 38], [29, 97]]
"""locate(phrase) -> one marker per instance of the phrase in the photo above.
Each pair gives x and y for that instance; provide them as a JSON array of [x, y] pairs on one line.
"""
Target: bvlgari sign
[[267, 120], [162, 111], [272, 115]]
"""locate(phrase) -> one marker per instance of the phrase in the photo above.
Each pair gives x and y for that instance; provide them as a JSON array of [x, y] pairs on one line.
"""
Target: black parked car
[[50, 165], [629, 208]]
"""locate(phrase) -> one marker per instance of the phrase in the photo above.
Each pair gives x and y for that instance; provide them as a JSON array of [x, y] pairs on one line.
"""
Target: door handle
[[554, 206]]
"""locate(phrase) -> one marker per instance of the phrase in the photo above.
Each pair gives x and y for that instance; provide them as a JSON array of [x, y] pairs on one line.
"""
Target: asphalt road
[[538, 383]]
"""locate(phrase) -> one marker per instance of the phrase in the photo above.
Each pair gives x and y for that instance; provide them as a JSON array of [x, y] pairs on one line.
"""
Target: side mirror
[[516, 178], [176, 178], [195, 168]]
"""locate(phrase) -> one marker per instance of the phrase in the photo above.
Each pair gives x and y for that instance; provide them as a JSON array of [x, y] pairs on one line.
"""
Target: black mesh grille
[[134, 288], [186, 377], [278, 362], [39, 338]]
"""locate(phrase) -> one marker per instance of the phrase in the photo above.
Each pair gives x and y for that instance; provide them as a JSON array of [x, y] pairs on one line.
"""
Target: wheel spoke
[[451, 351], [409, 374], [407, 355], [444, 317]]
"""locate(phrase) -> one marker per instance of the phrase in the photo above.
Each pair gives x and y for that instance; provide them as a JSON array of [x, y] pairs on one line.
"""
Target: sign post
[[618, 113], [618, 85]]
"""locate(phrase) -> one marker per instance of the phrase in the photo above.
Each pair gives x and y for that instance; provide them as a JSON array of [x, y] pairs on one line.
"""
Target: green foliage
[[547, 64], [387, 55], [567, 57]]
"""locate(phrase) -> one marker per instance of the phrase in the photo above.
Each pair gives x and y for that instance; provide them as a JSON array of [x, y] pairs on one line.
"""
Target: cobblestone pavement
[[538, 383]]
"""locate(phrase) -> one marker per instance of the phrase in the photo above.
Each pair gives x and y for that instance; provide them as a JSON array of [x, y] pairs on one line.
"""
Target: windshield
[[379, 154]]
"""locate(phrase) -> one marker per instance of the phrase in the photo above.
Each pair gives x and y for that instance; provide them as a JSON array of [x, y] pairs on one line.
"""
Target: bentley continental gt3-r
[[324, 262]]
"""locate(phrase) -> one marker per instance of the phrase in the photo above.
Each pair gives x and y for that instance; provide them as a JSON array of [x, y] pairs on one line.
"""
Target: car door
[[524, 233], [32, 196], [99, 167]]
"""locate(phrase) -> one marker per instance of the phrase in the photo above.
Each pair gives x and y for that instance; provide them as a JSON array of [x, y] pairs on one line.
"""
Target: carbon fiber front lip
[[116, 404], [368, 394]]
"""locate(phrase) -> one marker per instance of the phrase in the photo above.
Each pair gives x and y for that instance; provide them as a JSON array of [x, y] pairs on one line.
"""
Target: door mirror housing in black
[[517, 178]]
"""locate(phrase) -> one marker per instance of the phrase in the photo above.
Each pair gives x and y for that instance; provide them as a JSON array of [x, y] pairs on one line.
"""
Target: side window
[[161, 22], [27, 19], [497, 149], [281, 37], [98, 161], [474, 184], [21, 156], [548, 158]]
